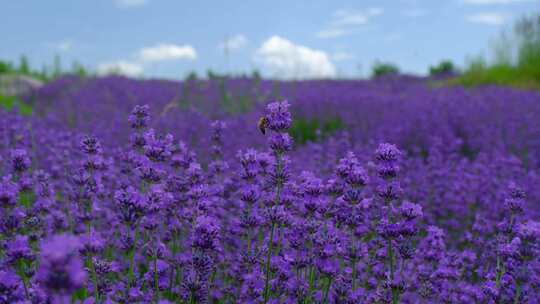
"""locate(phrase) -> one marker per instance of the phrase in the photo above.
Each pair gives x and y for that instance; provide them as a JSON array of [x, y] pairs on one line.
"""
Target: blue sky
[[287, 39]]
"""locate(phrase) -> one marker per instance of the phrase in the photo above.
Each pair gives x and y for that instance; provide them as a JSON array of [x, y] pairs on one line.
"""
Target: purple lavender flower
[[206, 234], [387, 156], [60, 270], [139, 117], [516, 201], [410, 211], [224, 221], [8, 193], [130, 204], [20, 161], [387, 153], [19, 249], [90, 145], [280, 142], [91, 243], [157, 148], [278, 118], [529, 231], [10, 288]]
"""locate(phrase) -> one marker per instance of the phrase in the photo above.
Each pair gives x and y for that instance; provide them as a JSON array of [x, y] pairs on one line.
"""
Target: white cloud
[[344, 19], [355, 17], [288, 60], [331, 33], [342, 56], [487, 2], [130, 3], [145, 56], [122, 67], [163, 52], [489, 18], [234, 43], [414, 12]]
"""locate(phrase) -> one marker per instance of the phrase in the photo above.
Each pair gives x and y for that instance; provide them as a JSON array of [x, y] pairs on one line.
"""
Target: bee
[[262, 124]]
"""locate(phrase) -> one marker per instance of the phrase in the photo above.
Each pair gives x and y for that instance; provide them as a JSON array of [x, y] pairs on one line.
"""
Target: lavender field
[[254, 191]]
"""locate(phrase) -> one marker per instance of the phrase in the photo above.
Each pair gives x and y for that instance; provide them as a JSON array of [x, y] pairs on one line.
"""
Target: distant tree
[[256, 74], [384, 68], [211, 74], [527, 31], [24, 67], [45, 72], [503, 49], [5, 67], [444, 67], [78, 69], [57, 66], [191, 76]]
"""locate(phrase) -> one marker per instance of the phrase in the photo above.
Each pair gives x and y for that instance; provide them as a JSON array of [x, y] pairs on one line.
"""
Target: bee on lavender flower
[[262, 124]]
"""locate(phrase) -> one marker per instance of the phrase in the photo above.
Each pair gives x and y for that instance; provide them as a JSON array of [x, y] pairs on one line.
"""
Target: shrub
[[444, 67], [517, 59], [384, 68]]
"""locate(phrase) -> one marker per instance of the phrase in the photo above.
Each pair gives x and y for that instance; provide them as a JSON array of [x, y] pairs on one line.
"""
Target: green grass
[[9, 103], [304, 130], [501, 74]]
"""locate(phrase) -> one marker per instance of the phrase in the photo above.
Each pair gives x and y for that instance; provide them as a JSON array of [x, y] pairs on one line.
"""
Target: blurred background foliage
[[516, 59], [311, 130], [46, 73], [384, 69], [11, 103]]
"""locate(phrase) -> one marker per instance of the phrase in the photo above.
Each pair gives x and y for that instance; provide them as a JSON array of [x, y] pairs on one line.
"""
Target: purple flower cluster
[[145, 216]]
